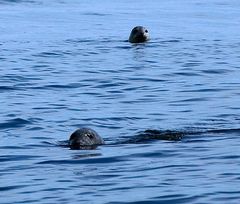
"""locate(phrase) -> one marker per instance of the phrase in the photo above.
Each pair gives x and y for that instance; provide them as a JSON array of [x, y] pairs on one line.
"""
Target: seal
[[85, 138], [138, 34]]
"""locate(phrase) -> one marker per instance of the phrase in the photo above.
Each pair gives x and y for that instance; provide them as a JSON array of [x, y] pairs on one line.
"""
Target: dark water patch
[[58, 106], [9, 88], [10, 1], [35, 128], [117, 119], [14, 187], [208, 132], [109, 85], [124, 47], [90, 160], [15, 123], [170, 199], [203, 90], [18, 80], [189, 100], [61, 86], [11, 158], [222, 63], [41, 66], [17, 1], [47, 108], [90, 53], [53, 54], [156, 154], [186, 73], [192, 64], [147, 79], [229, 157], [80, 41], [227, 196], [8, 147], [28, 146], [52, 144], [27, 59], [215, 71], [170, 41], [109, 40], [104, 42], [96, 14], [178, 166], [225, 131]]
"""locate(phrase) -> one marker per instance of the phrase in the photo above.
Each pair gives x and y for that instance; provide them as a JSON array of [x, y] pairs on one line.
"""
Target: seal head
[[85, 138], [139, 34]]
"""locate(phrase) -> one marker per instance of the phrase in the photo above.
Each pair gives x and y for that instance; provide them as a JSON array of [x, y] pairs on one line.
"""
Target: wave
[[14, 123], [16, 1]]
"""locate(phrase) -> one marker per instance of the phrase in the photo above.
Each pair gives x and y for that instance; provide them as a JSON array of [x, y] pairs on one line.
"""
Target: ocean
[[67, 64]]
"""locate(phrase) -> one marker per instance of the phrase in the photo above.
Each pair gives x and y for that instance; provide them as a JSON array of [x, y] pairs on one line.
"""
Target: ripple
[[15, 123], [172, 199], [11, 158], [14, 187], [95, 14], [8, 88], [50, 54], [90, 160]]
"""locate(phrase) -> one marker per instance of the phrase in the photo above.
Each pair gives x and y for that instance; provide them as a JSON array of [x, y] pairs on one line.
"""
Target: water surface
[[67, 64]]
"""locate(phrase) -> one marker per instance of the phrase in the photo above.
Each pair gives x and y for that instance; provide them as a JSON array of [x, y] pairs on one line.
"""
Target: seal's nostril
[[90, 136]]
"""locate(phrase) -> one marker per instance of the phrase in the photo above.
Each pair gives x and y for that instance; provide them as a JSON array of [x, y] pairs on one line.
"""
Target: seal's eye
[[146, 31]]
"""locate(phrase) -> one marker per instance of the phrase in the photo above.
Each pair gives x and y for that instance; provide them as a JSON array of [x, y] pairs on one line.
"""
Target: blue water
[[66, 64]]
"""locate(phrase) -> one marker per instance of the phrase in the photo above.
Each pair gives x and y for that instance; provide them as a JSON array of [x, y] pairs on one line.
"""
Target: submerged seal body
[[85, 138], [139, 34]]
